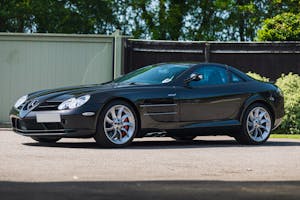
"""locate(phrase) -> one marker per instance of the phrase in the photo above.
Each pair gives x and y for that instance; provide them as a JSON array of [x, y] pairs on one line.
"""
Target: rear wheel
[[46, 139], [117, 125], [257, 125]]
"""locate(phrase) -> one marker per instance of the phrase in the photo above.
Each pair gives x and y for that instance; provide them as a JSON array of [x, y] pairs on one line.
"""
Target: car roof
[[195, 64], [191, 64]]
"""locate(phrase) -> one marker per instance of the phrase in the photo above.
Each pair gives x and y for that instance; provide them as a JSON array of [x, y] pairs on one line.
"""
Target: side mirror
[[194, 77]]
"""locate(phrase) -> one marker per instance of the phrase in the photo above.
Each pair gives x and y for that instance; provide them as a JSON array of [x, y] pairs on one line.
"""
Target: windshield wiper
[[132, 83], [135, 83]]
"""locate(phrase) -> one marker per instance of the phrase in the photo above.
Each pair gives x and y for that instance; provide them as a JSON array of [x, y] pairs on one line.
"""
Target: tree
[[282, 27], [194, 19], [244, 18], [73, 16], [15, 15], [221, 20], [204, 19], [56, 16], [160, 19]]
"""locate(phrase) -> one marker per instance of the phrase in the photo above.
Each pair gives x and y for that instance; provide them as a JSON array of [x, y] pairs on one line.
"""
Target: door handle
[[172, 95]]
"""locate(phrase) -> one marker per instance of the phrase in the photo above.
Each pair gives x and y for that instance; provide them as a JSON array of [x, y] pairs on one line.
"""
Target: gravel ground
[[207, 166]]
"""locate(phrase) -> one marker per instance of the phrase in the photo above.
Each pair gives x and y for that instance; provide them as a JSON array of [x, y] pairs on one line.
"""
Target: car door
[[159, 104], [211, 98]]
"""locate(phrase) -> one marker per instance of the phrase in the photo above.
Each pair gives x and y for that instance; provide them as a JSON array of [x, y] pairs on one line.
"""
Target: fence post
[[117, 62], [206, 51]]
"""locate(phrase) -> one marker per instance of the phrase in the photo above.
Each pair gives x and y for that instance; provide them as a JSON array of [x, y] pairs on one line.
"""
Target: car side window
[[235, 78], [212, 75]]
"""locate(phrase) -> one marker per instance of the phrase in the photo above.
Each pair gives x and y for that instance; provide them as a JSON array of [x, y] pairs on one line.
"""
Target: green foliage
[[289, 136], [56, 16], [15, 15], [150, 19], [290, 86], [258, 77], [198, 19], [283, 27]]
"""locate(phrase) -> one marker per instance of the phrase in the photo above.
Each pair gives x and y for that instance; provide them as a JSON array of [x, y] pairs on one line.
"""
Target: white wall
[[30, 62]]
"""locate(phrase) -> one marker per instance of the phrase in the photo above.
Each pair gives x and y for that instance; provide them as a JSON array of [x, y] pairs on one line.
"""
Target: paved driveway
[[208, 166]]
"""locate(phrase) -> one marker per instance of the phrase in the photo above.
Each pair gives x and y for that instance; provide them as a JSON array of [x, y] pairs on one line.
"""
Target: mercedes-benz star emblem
[[32, 104]]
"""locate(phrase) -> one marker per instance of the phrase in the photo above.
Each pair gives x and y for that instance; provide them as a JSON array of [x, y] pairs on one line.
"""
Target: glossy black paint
[[175, 107]]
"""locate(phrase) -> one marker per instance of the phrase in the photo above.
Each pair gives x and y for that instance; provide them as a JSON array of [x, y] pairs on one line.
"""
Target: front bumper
[[72, 123]]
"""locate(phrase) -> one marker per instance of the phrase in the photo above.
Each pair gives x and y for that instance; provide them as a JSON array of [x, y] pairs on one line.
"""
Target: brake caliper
[[126, 127]]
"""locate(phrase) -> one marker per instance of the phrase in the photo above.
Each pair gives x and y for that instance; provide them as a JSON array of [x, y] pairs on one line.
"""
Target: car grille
[[31, 124], [47, 105]]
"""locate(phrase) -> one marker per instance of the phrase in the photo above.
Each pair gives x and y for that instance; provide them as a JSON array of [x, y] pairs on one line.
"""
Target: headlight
[[20, 101], [74, 102]]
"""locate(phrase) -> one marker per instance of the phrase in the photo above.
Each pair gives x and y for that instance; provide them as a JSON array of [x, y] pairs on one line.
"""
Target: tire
[[46, 139], [184, 138], [257, 124], [117, 125]]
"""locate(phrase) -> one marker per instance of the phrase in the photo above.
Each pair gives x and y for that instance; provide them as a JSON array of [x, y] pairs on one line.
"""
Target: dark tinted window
[[235, 78], [212, 75]]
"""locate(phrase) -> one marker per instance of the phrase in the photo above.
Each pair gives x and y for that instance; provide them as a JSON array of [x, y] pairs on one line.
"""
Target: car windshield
[[154, 74]]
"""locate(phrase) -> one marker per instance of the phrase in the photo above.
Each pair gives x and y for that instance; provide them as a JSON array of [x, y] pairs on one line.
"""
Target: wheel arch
[[127, 101], [255, 100]]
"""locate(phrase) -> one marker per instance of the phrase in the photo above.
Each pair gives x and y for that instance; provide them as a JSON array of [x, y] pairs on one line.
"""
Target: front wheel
[[257, 125], [117, 125]]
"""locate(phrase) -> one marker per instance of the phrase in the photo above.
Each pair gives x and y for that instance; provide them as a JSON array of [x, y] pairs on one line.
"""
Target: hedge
[[290, 86]]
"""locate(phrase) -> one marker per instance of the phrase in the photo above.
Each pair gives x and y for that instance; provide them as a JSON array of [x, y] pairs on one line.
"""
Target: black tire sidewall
[[245, 138], [100, 135]]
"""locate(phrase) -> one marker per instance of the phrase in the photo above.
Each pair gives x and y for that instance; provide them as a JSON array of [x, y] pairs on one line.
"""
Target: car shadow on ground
[[151, 190], [170, 144]]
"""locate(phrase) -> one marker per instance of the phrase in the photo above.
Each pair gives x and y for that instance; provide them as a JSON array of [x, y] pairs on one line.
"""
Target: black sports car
[[180, 100]]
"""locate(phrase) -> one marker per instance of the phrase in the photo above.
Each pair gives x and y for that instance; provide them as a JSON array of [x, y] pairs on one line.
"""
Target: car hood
[[61, 94]]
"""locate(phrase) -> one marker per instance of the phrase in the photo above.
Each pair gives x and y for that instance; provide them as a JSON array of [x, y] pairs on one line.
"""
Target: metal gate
[[30, 62]]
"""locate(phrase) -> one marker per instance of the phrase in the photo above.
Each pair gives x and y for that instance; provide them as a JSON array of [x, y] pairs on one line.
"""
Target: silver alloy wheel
[[258, 124], [119, 124]]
